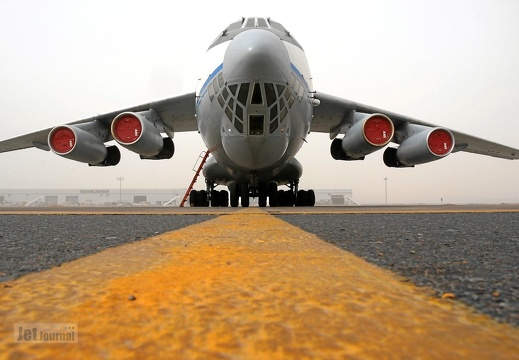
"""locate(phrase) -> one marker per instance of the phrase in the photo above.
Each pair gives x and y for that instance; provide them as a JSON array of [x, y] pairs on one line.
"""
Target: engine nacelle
[[420, 148], [137, 132], [370, 133], [76, 144]]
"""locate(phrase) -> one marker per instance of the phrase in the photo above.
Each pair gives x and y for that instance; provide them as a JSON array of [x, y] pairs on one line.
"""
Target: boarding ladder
[[204, 155]]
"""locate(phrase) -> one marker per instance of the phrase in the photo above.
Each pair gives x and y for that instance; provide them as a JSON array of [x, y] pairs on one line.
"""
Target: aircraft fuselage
[[254, 109]]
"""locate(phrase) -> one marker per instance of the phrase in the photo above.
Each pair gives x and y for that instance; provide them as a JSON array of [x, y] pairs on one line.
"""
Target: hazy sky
[[453, 63]]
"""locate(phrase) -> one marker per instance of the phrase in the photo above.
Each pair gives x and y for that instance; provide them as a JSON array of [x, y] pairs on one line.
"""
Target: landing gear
[[290, 197], [202, 198], [305, 198], [219, 198], [296, 197], [267, 191], [198, 198], [240, 193]]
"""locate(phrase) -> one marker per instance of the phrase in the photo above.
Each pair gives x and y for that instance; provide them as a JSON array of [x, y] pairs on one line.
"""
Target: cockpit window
[[251, 23], [243, 93], [270, 93], [257, 99], [254, 107]]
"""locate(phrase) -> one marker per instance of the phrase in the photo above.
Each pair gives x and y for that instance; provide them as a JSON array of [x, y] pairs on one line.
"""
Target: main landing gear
[[296, 197], [242, 192]]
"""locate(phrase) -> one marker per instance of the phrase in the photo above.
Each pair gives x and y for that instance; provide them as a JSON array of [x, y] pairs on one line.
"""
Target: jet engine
[[138, 132], [425, 146], [74, 143], [369, 133]]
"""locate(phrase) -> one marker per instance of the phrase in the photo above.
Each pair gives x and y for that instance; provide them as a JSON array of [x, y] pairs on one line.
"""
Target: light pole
[[120, 179], [385, 179]]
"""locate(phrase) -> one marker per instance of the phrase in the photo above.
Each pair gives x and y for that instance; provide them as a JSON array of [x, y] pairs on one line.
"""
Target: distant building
[[145, 197], [91, 197], [334, 197]]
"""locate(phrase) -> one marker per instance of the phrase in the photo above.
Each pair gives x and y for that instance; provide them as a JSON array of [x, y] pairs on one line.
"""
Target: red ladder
[[204, 159]]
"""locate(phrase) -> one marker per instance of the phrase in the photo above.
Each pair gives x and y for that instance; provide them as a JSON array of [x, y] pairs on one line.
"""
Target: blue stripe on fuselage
[[210, 78], [301, 77]]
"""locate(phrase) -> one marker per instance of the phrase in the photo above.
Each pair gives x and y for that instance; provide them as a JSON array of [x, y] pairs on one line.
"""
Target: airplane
[[254, 112]]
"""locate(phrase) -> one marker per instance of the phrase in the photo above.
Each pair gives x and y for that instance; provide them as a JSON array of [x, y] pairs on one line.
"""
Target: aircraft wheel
[[310, 198], [215, 198], [202, 198], [224, 198], [244, 190], [234, 189], [281, 198], [273, 195], [193, 197], [289, 198], [301, 198], [262, 195]]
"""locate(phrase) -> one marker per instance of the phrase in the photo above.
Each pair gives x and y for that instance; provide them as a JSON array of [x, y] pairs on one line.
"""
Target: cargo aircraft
[[254, 111]]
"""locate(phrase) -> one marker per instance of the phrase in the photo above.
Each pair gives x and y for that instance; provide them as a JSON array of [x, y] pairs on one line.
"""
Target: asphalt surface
[[30, 243], [473, 257]]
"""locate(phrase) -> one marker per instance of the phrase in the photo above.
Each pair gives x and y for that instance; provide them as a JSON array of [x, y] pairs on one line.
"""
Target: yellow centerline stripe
[[245, 285]]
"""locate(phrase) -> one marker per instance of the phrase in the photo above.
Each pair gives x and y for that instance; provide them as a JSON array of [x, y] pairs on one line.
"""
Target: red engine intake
[[74, 143], [422, 147], [369, 133], [136, 133], [126, 128]]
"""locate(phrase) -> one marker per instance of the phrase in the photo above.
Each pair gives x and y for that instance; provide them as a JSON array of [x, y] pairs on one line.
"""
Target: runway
[[242, 283]]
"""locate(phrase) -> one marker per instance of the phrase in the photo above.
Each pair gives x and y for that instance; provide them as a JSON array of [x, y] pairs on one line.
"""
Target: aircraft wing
[[330, 114], [177, 114]]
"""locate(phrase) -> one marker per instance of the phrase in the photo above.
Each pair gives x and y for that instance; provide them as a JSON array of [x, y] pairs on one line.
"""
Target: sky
[[452, 63]]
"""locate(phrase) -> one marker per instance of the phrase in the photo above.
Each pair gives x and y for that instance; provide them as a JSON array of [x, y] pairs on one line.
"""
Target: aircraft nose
[[256, 53], [255, 153]]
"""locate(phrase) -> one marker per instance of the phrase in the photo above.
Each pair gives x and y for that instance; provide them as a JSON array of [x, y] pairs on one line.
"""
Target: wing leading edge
[[332, 115], [177, 114]]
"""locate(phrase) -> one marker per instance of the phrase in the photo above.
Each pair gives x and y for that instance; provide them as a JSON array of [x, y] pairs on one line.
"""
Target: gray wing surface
[[177, 113], [332, 111]]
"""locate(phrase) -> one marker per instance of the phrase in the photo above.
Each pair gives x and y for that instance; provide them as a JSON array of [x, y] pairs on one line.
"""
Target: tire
[[273, 195], [244, 190], [215, 198], [224, 198], [234, 189], [281, 198], [310, 198], [202, 198], [301, 198], [193, 198], [290, 198], [262, 195]]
